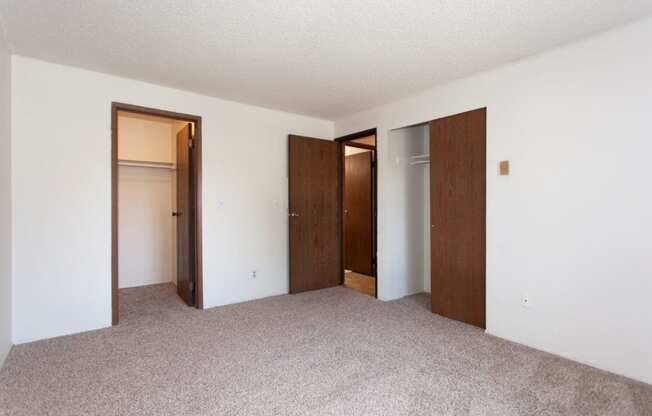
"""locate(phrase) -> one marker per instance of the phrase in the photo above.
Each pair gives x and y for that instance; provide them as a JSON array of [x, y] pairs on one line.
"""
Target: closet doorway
[[156, 202], [438, 226]]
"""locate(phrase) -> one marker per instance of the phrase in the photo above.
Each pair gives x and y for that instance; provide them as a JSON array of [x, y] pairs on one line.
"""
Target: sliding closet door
[[184, 215], [457, 201], [315, 214]]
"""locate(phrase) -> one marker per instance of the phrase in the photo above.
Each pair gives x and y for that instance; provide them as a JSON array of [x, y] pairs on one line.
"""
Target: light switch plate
[[504, 167]]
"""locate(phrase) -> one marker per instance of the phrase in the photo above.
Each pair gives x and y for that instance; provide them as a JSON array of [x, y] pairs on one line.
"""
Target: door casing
[[196, 174]]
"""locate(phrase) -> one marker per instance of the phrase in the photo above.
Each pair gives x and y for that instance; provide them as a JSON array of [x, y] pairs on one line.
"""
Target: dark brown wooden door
[[457, 201], [315, 214], [184, 216], [358, 213]]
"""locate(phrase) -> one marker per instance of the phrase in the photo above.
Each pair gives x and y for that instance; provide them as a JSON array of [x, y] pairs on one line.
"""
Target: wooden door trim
[[196, 175], [344, 140]]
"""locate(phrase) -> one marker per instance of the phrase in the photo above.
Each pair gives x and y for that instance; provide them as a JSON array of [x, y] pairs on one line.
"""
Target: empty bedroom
[[426, 207]]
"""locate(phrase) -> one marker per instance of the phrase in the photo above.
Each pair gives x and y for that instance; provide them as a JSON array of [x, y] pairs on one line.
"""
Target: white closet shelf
[[147, 164]]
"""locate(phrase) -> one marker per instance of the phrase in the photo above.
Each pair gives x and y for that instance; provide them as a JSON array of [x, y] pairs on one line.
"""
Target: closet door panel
[[457, 207]]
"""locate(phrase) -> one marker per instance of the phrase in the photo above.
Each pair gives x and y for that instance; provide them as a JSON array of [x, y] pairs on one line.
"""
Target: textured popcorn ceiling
[[326, 58]]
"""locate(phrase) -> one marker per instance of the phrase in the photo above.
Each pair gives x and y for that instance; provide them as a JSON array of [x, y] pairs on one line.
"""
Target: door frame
[[196, 175], [345, 141]]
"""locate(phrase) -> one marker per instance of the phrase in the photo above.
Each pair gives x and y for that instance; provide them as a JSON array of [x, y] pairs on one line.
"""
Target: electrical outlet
[[253, 274], [525, 301]]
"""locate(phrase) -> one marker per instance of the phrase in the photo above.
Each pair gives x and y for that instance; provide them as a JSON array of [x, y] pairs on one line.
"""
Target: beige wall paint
[[145, 138]]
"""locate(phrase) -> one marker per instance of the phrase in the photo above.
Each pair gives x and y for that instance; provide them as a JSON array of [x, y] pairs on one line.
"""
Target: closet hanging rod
[[419, 159], [146, 164], [420, 162]]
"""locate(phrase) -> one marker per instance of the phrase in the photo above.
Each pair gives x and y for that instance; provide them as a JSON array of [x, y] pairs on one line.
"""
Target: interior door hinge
[[190, 144]]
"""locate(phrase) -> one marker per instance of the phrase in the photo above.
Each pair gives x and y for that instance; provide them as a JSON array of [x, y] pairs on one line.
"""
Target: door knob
[[292, 214], [176, 213]]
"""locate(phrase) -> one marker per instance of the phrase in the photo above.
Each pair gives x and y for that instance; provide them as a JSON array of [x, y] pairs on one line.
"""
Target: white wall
[[146, 199], [570, 226], [5, 198], [61, 160], [145, 241]]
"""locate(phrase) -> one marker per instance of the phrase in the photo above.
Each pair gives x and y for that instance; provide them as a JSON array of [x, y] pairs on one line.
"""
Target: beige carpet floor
[[329, 352]]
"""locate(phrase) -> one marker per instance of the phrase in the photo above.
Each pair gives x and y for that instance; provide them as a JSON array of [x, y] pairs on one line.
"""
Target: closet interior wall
[[146, 199], [410, 227]]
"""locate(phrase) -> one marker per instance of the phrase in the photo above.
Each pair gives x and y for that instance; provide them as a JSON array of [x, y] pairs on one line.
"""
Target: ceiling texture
[[325, 58]]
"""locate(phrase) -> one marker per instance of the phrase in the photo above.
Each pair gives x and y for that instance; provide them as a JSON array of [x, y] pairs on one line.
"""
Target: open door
[[184, 214], [358, 213], [457, 201], [315, 214]]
